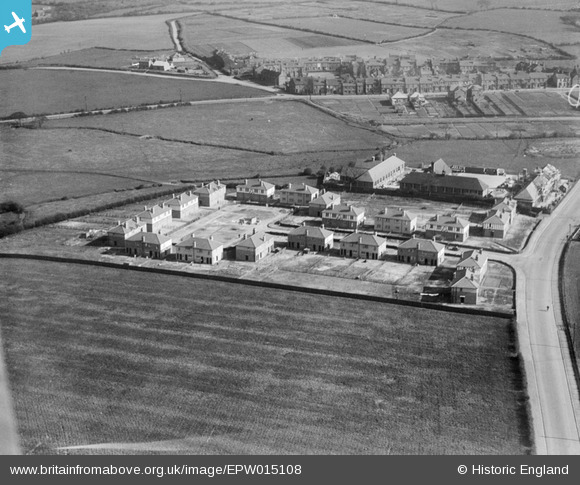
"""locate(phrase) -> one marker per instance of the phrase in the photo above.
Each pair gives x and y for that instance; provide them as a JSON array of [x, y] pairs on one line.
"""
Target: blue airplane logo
[[16, 17], [17, 23]]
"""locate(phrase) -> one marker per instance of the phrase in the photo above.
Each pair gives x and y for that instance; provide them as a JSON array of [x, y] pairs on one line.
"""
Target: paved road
[[554, 397], [8, 434]]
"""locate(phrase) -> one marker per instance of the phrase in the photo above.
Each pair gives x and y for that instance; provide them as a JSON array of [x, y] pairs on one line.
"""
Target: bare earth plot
[[91, 90], [541, 24], [206, 368], [270, 126], [150, 32]]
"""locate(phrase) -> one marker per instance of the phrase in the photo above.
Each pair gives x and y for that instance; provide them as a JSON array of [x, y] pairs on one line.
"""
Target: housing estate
[[156, 217], [149, 245], [300, 194], [255, 191], [254, 247], [421, 251], [358, 245], [199, 250], [124, 230], [343, 216], [464, 288], [535, 193], [311, 237], [428, 184], [396, 221], [183, 204], [326, 200], [449, 228], [211, 195]]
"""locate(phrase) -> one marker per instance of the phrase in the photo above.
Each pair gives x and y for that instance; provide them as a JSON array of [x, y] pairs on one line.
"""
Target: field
[[269, 126], [472, 5], [474, 129], [357, 29], [202, 34], [98, 57], [544, 25], [233, 372], [388, 13], [149, 33], [571, 292], [513, 155], [81, 90]]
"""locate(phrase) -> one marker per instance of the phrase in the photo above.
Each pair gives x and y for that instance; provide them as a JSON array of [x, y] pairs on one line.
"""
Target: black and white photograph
[[276, 228]]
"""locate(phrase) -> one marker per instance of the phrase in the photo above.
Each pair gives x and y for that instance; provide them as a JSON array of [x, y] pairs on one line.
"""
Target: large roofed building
[[383, 173], [441, 185]]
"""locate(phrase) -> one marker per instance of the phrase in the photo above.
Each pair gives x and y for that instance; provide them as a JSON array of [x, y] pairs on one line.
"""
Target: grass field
[[471, 5], [390, 13], [83, 162], [541, 24], [571, 287], [148, 33], [357, 29], [110, 357], [98, 57], [508, 154], [80, 90], [278, 126]]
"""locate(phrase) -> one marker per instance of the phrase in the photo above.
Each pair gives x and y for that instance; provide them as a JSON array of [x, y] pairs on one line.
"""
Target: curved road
[[553, 391]]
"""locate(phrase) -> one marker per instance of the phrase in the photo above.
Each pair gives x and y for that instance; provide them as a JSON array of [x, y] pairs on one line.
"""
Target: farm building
[[421, 251], [343, 217], [430, 184], [449, 228], [148, 245], [199, 250], [255, 191], [396, 221], [464, 288], [439, 167], [254, 247], [124, 230], [383, 173], [183, 204], [326, 200], [300, 194], [315, 238], [211, 195], [159, 65], [156, 217], [474, 262], [367, 246]]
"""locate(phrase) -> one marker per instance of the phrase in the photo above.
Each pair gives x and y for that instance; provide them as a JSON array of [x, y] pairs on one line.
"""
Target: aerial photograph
[[272, 227]]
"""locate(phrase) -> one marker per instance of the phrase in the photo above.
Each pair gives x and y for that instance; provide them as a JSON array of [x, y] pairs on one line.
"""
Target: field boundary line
[[258, 283]]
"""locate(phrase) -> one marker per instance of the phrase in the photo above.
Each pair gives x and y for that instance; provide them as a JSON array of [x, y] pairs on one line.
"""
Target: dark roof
[[451, 181]]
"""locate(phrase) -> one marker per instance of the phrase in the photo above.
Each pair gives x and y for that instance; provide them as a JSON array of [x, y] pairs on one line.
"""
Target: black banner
[[289, 469]]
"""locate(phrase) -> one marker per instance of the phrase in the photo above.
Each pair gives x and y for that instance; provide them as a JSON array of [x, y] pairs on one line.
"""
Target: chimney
[[118, 223], [290, 185], [217, 182], [254, 231], [194, 244], [360, 239], [303, 223], [471, 276], [245, 181], [144, 207], [435, 238], [245, 236], [322, 226]]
